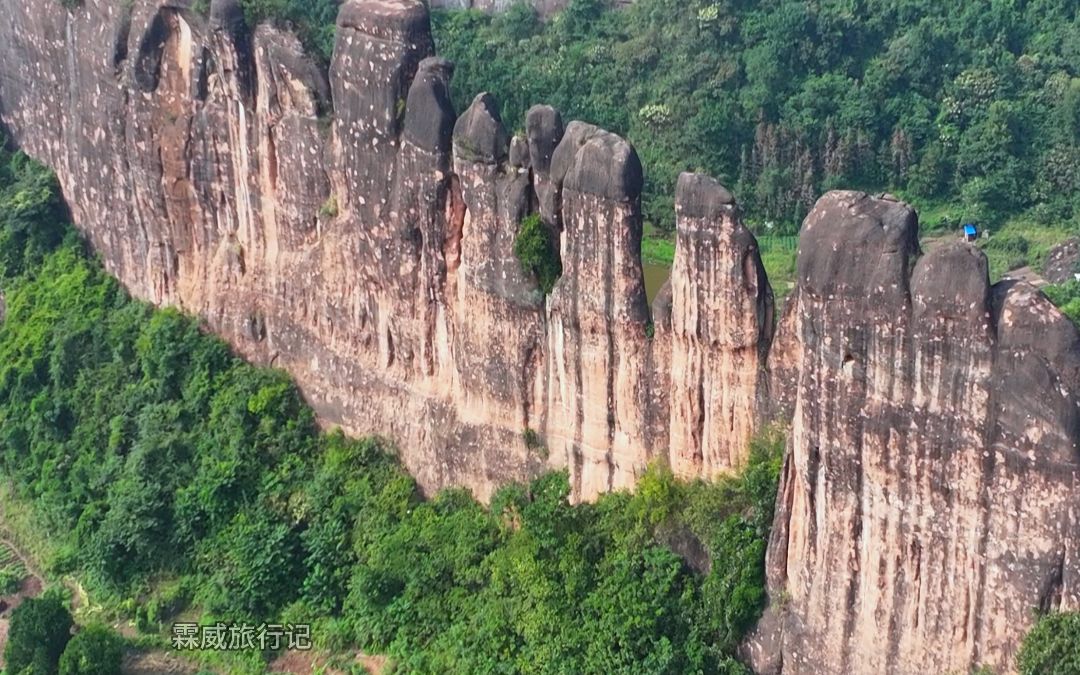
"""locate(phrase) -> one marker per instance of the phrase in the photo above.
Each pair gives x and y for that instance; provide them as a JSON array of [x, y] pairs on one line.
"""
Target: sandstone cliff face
[[718, 363], [351, 228], [928, 501]]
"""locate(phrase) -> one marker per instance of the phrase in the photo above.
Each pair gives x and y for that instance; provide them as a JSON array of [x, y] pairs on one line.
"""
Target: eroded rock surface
[[1063, 262], [722, 323], [928, 500], [351, 228]]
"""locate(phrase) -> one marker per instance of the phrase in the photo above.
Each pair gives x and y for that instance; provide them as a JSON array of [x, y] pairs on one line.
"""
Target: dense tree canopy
[[40, 630], [95, 650], [1052, 647], [971, 101]]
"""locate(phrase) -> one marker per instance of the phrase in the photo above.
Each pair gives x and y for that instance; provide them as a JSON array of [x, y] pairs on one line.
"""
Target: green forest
[[973, 103], [968, 110], [175, 480]]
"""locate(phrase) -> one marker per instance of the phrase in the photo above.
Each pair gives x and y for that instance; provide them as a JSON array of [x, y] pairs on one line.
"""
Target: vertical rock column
[[1031, 472], [854, 315], [598, 313], [927, 503], [499, 308], [386, 186], [418, 209], [721, 325], [378, 50]]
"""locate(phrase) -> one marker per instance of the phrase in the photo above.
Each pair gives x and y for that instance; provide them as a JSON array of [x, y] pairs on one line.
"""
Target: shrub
[[40, 630], [10, 580], [329, 208], [534, 443], [1067, 297], [1052, 647], [537, 252], [95, 650]]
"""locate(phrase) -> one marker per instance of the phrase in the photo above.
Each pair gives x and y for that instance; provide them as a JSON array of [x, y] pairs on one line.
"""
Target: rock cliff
[[351, 227], [929, 497]]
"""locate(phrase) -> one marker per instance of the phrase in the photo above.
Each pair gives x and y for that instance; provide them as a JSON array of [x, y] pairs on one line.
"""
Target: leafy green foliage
[[12, 571], [537, 251], [163, 457], [978, 104], [1052, 647], [1067, 297], [313, 20], [94, 650], [10, 581], [40, 630], [31, 214]]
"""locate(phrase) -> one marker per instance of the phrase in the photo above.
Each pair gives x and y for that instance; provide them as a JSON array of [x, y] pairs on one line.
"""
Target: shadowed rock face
[[928, 499], [352, 229]]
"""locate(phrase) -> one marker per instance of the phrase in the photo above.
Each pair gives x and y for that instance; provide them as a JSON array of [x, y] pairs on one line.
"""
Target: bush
[[95, 650], [40, 630], [10, 580], [537, 252], [1052, 647], [1067, 297]]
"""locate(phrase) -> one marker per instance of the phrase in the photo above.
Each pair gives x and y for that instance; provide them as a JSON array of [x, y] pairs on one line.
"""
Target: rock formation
[[929, 497], [722, 323], [544, 7], [1063, 262], [350, 227]]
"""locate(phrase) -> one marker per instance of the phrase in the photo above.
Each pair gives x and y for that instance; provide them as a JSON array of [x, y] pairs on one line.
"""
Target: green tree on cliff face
[[537, 253]]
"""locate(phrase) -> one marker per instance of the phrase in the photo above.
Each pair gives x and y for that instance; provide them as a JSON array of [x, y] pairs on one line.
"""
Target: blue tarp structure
[[970, 231]]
